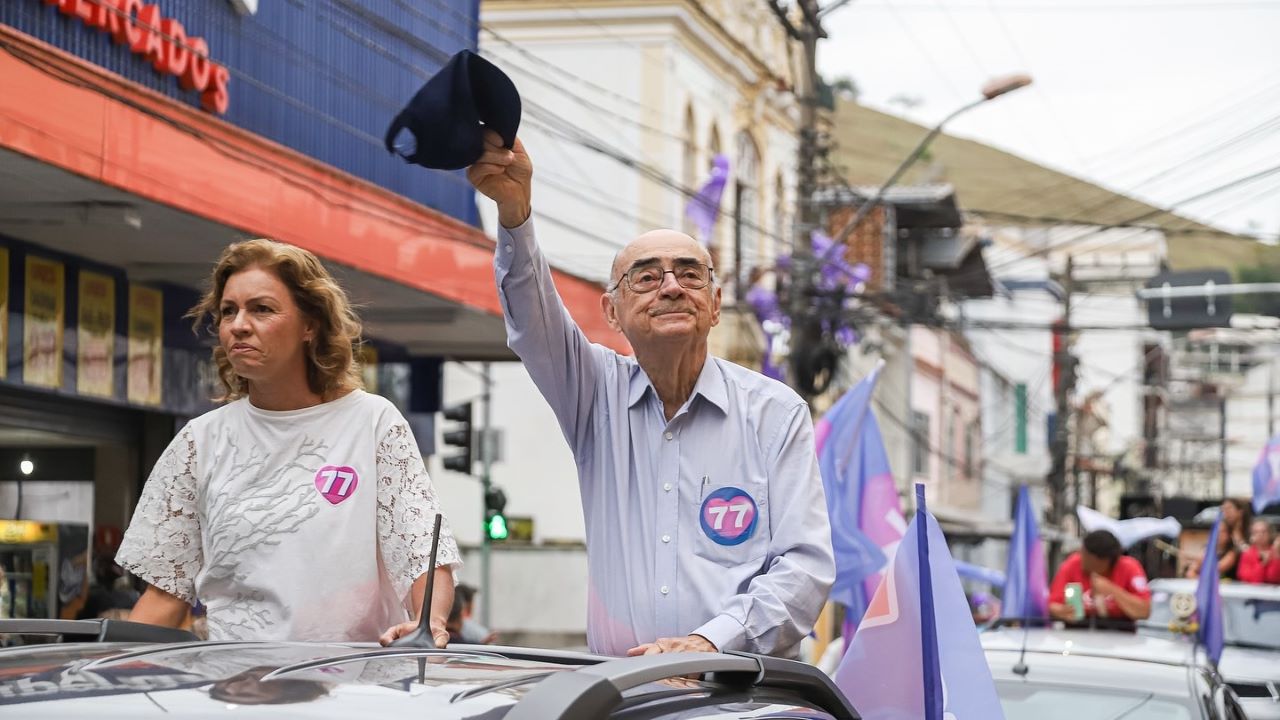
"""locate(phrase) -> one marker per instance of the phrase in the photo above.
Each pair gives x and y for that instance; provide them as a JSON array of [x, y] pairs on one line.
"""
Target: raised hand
[[506, 177]]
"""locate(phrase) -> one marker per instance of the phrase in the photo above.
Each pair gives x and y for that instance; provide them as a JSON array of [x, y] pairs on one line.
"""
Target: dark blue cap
[[449, 115]]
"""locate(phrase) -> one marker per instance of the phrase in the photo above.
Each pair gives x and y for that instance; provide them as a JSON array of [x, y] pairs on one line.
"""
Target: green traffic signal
[[496, 527]]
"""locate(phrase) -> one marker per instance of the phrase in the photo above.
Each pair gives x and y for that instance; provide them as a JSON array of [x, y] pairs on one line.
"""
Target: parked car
[[115, 669], [1051, 674], [1251, 628]]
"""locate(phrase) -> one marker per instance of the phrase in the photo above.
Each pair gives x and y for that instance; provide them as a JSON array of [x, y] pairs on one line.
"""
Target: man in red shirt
[[1114, 584], [1260, 563]]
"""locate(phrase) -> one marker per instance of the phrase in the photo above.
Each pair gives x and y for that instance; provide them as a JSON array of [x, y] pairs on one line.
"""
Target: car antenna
[[421, 636], [1020, 668]]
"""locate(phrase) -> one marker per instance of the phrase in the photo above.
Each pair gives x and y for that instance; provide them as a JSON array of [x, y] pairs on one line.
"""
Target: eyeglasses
[[647, 278]]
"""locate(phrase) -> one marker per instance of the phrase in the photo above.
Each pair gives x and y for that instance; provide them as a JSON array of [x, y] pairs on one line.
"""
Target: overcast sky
[[1162, 99]]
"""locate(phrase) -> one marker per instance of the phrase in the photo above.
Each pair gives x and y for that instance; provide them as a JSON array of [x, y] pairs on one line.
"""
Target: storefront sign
[[96, 334], [22, 532], [160, 40], [42, 323], [146, 345], [4, 312]]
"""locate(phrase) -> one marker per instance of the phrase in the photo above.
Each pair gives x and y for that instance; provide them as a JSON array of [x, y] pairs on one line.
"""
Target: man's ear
[[610, 310], [715, 306]]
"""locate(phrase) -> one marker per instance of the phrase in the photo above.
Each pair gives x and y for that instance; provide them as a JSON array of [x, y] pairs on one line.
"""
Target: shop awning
[[96, 166]]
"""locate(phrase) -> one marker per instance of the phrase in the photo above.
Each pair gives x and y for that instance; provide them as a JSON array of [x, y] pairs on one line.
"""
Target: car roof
[[173, 673], [1091, 658], [1227, 589], [1091, 643], [206, 679]]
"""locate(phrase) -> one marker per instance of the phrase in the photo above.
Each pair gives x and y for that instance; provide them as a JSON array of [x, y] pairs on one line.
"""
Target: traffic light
[[495, 523], [459, 436]]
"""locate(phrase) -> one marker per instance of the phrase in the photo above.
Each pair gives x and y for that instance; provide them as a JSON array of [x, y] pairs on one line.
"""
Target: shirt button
[[664, 590], [666, 538], [507, 249], [667, 487], [668, 436]]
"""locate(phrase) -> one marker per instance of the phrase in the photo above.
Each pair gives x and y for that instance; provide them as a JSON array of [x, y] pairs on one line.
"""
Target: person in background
[[1232, 540], [1113, 583], [472, 631], [454, 623], [1260, 562]]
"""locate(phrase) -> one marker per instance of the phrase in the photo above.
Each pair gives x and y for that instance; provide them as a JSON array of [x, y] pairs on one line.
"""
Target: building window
[[1020, 419], [919, 443], [747, 240], [689, 170], [970, 450]]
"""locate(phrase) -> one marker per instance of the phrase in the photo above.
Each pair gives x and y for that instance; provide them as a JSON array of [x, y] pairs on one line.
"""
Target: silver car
[[132, 671], [1049, 674], [1251, 628]]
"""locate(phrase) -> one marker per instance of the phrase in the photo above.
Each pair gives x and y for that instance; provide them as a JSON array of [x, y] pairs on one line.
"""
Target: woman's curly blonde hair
[[332, 364]]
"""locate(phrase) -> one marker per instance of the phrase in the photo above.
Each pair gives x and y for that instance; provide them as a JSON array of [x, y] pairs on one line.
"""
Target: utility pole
[[1065, 362], [800, 285], [486, 463]]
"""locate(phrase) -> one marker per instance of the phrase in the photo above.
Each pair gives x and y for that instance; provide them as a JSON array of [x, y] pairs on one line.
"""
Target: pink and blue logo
[[729, 516], [336, 482]]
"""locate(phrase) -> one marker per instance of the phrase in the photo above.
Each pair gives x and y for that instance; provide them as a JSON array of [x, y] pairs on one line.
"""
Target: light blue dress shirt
[[713, 523]]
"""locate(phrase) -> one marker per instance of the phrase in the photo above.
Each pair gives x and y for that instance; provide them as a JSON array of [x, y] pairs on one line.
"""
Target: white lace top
[[305, 524]]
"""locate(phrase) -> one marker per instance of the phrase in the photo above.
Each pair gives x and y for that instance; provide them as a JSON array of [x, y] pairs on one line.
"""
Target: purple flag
[[1026, 592], [992, 577], [1209, 600], [704, 208], [862, 500], [764, 302], [1266, 476], [916, 653]]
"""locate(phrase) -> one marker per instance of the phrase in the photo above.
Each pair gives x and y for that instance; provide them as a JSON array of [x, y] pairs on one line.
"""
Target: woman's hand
[[438, 634]]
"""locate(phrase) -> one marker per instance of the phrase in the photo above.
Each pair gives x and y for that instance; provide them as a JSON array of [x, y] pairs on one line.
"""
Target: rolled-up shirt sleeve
[[563, 363], [781, 606]]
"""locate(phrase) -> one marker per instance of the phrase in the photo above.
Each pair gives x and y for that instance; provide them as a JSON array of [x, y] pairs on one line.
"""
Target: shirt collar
[[710, 385]]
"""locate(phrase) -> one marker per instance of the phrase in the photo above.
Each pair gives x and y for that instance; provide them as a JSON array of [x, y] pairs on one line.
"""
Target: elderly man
[[706, 522]]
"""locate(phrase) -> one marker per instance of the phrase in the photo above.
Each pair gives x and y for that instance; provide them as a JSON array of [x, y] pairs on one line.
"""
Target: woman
[[1260, 562], [300, 509], [1236, 517]]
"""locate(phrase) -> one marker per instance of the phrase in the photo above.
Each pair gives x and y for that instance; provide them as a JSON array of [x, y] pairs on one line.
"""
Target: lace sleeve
[[163, 542], [407, 505]]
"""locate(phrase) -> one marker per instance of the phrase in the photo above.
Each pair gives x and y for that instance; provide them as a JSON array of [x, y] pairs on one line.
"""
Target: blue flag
[[916, 653], [1026, 591], [862, 500], [1209, 600], [1266, 476]]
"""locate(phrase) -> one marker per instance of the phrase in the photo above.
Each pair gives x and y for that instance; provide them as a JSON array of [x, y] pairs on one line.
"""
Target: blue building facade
[[323, 77]]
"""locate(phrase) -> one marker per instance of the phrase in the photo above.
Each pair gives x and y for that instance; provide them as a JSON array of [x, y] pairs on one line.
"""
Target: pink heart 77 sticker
[[729, 515], [336, 482]]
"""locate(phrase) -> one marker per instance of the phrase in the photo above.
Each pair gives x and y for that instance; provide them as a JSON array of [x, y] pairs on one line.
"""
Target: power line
[[1133, 153], [1056, 220]]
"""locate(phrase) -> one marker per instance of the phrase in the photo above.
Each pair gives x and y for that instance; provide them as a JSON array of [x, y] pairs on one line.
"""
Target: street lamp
[[814, 353], [992, 90]]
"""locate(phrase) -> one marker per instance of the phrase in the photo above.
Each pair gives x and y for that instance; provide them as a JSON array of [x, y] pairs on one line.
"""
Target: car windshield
[[1031, 701], [1247, 622]]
